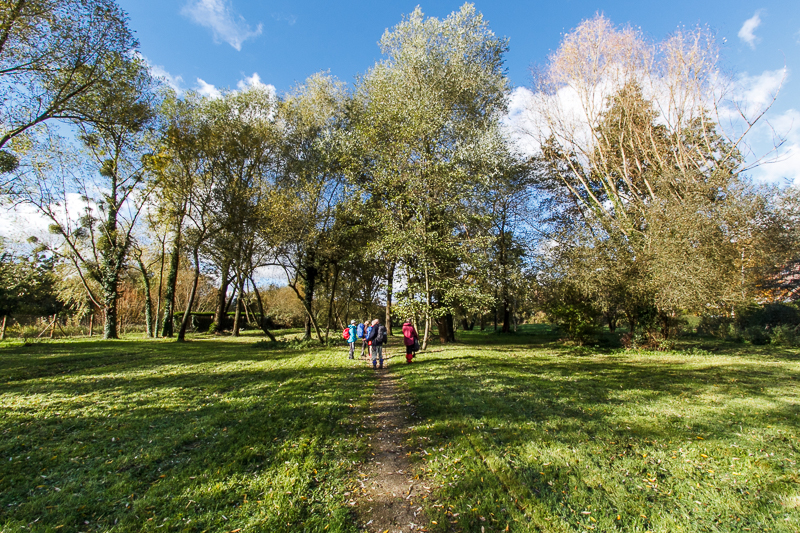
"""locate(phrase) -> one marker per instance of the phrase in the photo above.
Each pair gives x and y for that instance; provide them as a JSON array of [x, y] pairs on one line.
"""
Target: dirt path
[[388, 493]]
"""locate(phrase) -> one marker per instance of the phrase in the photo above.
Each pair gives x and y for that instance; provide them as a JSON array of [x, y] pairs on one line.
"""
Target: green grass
[[517, 432], [211, 435], [510, 431]]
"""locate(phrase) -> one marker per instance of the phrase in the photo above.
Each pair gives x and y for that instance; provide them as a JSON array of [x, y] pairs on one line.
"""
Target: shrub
[[756, 335], [716, 326], [785, 335], [576, 321], [767, 316]]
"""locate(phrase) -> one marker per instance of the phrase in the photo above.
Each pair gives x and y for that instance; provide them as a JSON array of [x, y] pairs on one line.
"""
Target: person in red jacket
[[410, 339]]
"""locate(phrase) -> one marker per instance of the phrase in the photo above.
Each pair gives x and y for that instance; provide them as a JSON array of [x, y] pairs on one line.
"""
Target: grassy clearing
[[514, 433], [520, 434], [211, 435]]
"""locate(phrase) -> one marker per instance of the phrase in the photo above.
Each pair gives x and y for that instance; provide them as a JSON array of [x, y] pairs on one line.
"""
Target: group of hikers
[[373, 335]]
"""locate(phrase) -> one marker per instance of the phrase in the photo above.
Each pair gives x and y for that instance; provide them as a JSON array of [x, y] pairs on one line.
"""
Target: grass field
[[211, 435], [512, 433], [520, 433]]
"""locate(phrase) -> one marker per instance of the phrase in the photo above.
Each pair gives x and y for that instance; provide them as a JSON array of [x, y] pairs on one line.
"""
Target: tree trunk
[[262, 321], [110, 295], [506, 312], [3, 329], [167, 326], [237, 317], [330, 302], [611, 318], [91, 324], [310, 279], [428, 302], [632, 322], [187, 315], [160, 287], [389, 287], [148, 301], [220, 316], [445, 325]]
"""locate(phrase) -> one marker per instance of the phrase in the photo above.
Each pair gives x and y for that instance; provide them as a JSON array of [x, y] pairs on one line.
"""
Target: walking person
[[411, 340], [377, 337], [351, 340], [365, 344]]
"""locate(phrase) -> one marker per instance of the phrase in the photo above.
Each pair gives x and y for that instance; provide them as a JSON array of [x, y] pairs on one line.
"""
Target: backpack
[[360, 331], [382, 333], [346, 334]]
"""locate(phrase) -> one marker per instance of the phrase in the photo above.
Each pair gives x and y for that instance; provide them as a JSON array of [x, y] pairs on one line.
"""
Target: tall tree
[[107, 175], [178, 162], [312, 196], [57, 58], [425, 112], [629, 149], [242, 151]]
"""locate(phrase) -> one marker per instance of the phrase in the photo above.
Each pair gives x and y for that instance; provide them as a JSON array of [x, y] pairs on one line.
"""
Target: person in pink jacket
[[410, 339]]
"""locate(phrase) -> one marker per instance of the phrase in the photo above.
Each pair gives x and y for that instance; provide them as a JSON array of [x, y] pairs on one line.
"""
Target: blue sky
[[222, 41], [213, 44]]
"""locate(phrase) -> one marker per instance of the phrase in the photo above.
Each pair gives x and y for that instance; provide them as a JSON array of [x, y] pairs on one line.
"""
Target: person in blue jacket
[[351, 340], [376, 338], [366, 328]]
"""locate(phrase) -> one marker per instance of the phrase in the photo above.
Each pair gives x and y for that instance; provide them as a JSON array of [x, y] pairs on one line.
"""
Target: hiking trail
[[389, 498]]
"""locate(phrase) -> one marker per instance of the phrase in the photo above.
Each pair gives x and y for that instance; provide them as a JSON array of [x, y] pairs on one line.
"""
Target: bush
[[576, 321], [768, 316], [716, 326], [756, 335], [785, 335]]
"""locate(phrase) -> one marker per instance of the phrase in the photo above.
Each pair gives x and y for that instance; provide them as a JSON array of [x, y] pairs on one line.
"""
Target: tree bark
[[160, 287], [172, 282], [427, 335], [148, 302], [237, 317], [310, 279], [446, 329], [110, 295], [262, 321], [220, 316], [330, 302], [3, 329], [187, 316], [389, 287]]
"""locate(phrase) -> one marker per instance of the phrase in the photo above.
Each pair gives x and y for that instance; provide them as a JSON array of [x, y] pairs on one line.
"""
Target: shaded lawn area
[[517, 433], [210, 435]]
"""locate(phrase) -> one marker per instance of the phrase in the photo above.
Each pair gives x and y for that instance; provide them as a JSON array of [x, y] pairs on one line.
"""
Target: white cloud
[[751, 95], [780, 164], [746, 32], [771, 148], [285, 17], [176, 82], [254, 81], [204, 88], [219, 16]]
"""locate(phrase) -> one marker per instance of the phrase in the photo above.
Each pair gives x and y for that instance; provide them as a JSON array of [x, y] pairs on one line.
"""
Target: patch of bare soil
[[389, 498]]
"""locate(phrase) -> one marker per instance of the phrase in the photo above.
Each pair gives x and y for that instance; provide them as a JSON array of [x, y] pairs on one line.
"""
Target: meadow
[[508, 432]]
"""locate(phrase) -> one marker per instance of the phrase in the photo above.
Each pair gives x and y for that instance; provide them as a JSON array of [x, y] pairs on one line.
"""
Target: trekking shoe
[[351, 357], [380, 365]]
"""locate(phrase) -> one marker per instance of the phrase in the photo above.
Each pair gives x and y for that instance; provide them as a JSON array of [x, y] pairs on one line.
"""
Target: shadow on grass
[[130, 436], [542, 437]]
